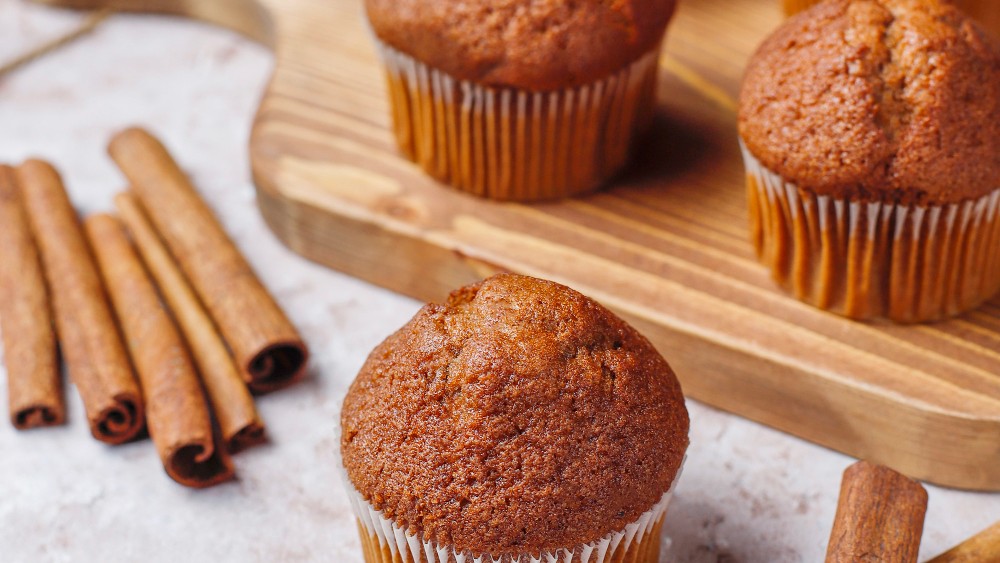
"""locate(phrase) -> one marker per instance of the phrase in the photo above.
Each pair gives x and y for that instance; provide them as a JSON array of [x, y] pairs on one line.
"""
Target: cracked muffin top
[[518, 416], [537, 45], [878, 100]]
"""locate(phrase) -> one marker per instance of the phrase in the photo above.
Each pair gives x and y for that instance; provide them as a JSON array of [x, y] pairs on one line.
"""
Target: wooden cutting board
[[666, 246]]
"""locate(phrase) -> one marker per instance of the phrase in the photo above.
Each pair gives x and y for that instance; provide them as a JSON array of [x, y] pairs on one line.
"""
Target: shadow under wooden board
[[665, 246]]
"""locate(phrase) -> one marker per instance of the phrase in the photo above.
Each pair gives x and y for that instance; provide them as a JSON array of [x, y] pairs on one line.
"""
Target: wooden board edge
[[945, 448], [909, 432]]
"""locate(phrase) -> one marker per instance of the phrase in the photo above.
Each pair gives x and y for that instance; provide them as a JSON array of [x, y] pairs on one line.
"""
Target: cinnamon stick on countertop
[[981, 548], [34, 387], [88, 335], [880, 516], [267, 348], [231, 401], [177, 414]]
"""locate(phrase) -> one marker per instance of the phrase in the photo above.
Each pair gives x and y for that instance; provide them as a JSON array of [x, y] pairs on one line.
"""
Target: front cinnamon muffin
[[520, 99], [871, 133], [519, 419]]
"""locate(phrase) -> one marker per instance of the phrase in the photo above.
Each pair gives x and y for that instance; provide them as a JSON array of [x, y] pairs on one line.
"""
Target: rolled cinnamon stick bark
[[88, 335], [34, 387], [980, 548], [267, 348], [234, 408], [880, 516], [177, 414]]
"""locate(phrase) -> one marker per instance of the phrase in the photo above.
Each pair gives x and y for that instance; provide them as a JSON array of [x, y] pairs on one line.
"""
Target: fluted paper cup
[[512, 144], [384, 541], [867, 260]]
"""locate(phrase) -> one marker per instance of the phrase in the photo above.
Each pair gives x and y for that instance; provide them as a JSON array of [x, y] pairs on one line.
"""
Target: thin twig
[[88, 25]]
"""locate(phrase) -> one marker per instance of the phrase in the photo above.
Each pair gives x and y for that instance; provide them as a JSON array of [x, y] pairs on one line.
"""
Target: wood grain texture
[[666, 246]]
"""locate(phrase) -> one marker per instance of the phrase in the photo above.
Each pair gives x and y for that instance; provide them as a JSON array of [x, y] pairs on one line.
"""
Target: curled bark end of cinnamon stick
[[117, 422], [248, 436], [36, 416], [88, 334], [198, 466], [268, 350], [34, 385], [239, 422], [880, 516], [276, 366], [177, 411]]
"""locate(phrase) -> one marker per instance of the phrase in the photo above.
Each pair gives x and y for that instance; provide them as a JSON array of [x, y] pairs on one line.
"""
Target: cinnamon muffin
[[986, 12], [520, 99], [871, 133], [519, 418]]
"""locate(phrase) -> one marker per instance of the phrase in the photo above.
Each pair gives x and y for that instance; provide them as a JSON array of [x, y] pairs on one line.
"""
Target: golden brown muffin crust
[[536, 45], [890, 100], [520, 416]]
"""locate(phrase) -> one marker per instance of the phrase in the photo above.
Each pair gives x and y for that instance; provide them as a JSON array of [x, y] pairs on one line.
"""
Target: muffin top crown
[[879, 100], [519, 416], [538, 45]]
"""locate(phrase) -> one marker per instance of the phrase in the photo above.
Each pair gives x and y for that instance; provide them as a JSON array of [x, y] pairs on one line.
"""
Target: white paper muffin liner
[[386, 542], [512, 144], [872, 259]]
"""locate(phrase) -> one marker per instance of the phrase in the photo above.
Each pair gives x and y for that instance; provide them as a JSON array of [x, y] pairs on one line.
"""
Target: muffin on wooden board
[[871, 134], [986, 12], [519, 418], [520, 99]]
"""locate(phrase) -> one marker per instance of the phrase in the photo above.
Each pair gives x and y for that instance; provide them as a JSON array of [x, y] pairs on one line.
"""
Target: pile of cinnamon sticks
[[160, 320]]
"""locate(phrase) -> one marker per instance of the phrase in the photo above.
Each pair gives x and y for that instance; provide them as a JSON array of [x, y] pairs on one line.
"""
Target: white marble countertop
[[749, 493]]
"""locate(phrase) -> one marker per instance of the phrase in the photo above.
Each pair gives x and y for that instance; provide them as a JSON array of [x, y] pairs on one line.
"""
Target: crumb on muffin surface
[[877, 100], [531, 44]]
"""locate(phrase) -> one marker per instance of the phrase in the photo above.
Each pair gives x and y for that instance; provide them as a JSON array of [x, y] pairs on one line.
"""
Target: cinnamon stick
[[234, 408], [983, 547], [34, 387], [177, 414], [880, 516], [88, 336], [267, 348]]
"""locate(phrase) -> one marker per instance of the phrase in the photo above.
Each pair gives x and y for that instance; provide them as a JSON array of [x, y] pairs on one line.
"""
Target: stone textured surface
[[748, 493]]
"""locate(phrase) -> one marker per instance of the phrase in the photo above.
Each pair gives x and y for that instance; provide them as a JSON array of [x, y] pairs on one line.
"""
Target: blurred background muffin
[[986, 12], [871, 134], [518, 99], [520, 418]]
